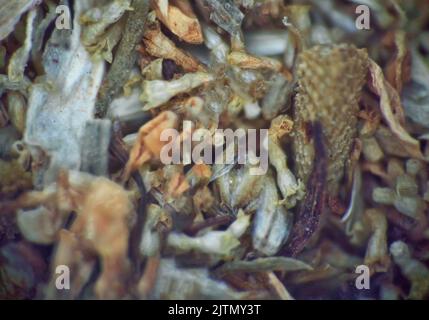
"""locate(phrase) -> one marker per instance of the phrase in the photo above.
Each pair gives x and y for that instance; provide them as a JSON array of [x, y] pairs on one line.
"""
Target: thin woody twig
[[125, 57]]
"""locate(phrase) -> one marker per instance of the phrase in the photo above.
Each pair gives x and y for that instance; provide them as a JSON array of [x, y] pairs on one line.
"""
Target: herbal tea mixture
[[214, 149]]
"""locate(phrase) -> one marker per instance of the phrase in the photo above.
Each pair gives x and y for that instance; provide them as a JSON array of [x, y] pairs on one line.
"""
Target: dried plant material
[[40, 30], [104, 211], [416, 93], [267, 42], [372, 150], [313, 204], [10, 14], [229, 17], [415, 271], [291, 189], [215, 243], [19, 59], [147, 144], [390, 105], [219, 49], [179, 17], [277, 98], [97, 20], [153, 71], [4, 116], [151, 242], [176, 184], [2, 57], [377, 257], [106, 42], [197, 283], [389, 144], [48, 223], [330, 80], [278, 287], [398, 70], [160, 46], [76, 81], [199, 176], [265, 264], [21, 86], [88, 182], [246, 61], [404, 197], [21, 269], [94, 151], [125, 57], [237, 188], [17, 108], [158, 92], [272, 223], [13, 178]]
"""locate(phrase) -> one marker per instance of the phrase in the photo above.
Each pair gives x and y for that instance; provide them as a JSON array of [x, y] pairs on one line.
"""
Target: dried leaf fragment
[[160, 46], [158, 92], [148, 144], [390, 104], [179, 17]]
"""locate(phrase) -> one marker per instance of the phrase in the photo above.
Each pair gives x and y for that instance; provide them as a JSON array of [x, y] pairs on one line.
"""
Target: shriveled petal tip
[[390, 106]]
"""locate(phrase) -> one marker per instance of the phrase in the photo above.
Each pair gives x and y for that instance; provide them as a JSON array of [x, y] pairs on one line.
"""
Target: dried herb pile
[[82, 184]]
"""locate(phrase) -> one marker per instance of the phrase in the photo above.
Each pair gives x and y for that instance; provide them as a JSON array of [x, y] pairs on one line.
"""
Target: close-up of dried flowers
[[214, 149]]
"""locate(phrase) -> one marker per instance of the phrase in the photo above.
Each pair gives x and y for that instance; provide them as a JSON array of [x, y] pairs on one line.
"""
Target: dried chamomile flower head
[[330, 81]]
